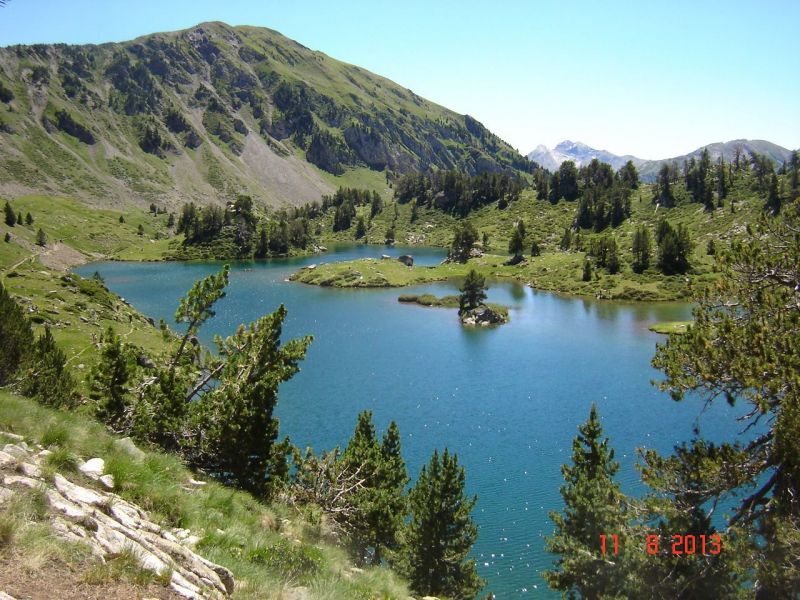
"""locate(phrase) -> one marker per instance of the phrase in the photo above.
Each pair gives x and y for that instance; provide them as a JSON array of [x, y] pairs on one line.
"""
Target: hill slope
[[212, 111]]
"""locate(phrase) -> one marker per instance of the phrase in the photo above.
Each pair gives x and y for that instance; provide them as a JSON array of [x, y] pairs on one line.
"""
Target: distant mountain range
[[581, 154]]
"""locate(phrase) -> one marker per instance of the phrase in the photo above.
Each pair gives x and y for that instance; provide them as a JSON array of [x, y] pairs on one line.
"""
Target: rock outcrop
[[482, 316], [109, 525], [406, 259]]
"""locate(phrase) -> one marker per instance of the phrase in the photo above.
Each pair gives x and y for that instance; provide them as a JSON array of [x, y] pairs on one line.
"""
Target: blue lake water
[[508, 400]]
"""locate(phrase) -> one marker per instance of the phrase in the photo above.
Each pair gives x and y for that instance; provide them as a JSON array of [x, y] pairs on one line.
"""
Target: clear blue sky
[[649, 78]]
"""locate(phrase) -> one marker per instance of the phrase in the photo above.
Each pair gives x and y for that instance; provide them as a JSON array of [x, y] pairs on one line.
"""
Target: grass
[[268, 548], [669, 327]]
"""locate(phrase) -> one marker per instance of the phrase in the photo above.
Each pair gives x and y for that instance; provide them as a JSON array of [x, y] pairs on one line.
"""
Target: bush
[[293, 562]]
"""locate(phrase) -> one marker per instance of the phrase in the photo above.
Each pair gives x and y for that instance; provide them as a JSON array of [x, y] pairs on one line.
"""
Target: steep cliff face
[[209, 112]]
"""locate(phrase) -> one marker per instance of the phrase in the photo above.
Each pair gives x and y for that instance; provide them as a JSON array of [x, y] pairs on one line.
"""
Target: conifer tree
[[41, 238], [16, 336], [437, 539], [19, 218], [743, 348], [517, 242], [140, 230], [7, 237], [361, 228], [233, 429], [45, 376], [641, 249], [473, 292], [109, 381], [262, 248], [10, 217], [773, 204], [594, 506], [29, 219], [171, 220], [587, 269], [380, 502], [464, 239]]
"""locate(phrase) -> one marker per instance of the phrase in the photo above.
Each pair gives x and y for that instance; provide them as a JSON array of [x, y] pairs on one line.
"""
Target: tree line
[[457, 193]]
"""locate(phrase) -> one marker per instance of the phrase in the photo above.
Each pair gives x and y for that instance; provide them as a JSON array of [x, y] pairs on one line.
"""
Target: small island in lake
[[470, 304]]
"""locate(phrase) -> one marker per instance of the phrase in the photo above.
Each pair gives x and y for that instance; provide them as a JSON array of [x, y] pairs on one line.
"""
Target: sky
[[650, 78]]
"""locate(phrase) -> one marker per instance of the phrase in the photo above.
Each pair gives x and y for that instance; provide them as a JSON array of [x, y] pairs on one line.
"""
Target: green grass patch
[[669, 327]]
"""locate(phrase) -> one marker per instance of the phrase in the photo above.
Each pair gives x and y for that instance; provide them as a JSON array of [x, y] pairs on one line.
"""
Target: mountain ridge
[[581, 154], [211, 111]]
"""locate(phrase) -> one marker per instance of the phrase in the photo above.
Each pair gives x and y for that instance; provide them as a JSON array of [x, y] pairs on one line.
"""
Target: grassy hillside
[[271, 550], [213, 111]]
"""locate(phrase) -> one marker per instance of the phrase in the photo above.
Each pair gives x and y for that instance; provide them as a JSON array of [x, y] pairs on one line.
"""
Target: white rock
[[196, 483], [93, 468], [5, 495], [76, 493], [30, 470], [107, 481], [16, 450], [11, 480], [70, 510], [12, 436], [6, 459]]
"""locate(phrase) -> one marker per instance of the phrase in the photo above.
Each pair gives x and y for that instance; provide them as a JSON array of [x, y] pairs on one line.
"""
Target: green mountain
[[212, 111]]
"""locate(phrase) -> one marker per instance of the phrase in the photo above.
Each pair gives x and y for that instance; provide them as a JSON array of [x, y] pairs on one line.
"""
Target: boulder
[[93, 468], [515, 260], [407, 260], [126, 444], [482, 316]]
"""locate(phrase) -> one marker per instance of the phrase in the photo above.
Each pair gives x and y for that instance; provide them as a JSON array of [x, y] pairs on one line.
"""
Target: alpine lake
[[507, 399]]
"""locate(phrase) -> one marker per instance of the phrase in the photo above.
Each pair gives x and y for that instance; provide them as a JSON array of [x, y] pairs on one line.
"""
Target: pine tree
[[473, 292], [140, 230], [10, 217], [121, 219], [361, 228], [517, 242], [390, 234], [234, 430], [262, 248], [414, 211], [743, 348], [464, 239], [594, 506], [16, 333], [45, 376], [109, 381], [535, 250], [380, 502], [41, 238], [7, 237], [29, 219], [437, 539], [641, 249], [773, 204], [171, 220], [587, 269], [19, 218]]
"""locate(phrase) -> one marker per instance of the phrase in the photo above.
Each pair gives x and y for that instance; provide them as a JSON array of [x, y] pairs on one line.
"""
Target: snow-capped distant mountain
[[579, 153], [582, 154]]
